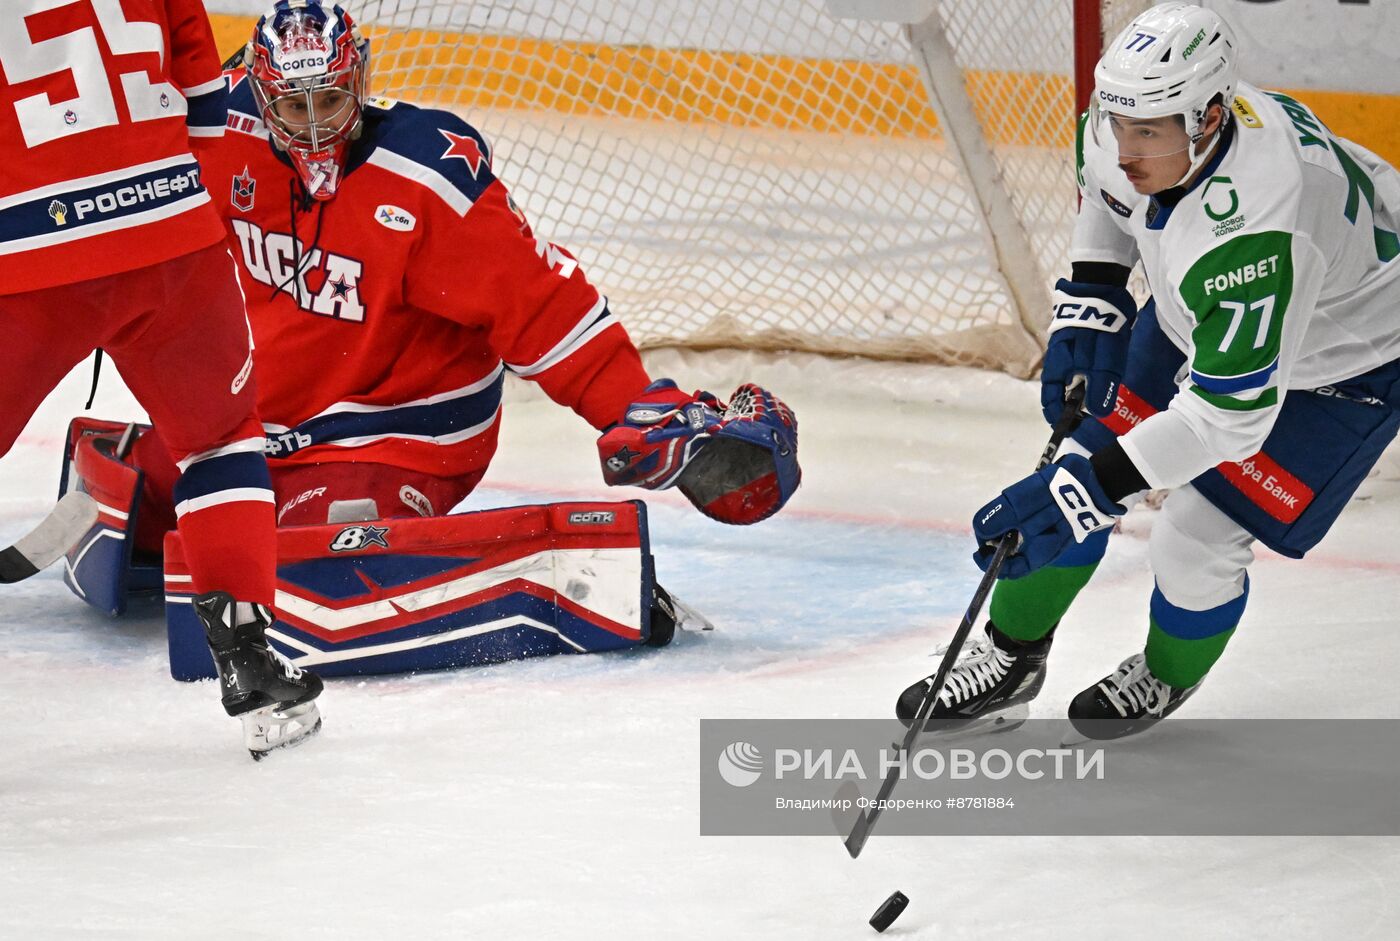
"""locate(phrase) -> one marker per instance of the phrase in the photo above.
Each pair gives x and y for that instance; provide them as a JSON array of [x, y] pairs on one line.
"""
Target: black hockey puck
[[888, 911]]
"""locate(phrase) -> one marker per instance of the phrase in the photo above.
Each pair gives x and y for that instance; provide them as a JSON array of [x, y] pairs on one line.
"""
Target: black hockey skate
[[989, 688], [273, 698], [1127, 701]]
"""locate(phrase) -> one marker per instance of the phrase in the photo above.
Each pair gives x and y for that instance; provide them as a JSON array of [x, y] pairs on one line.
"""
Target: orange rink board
[[771, 91]]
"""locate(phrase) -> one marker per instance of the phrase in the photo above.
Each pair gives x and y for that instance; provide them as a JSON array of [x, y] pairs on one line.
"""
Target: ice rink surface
[[557, 798]]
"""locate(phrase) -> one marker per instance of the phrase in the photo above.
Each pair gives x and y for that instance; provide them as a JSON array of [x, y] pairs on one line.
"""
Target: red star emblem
[[464, 147]]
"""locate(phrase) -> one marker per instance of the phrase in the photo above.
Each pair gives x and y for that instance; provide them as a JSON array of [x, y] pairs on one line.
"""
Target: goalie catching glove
[[737, 463]]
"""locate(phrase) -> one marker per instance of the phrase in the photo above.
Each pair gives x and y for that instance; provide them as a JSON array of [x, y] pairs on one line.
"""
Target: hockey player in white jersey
[[1259, 384]]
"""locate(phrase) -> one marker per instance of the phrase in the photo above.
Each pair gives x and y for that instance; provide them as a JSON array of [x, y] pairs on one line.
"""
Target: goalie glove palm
[[737, 463]]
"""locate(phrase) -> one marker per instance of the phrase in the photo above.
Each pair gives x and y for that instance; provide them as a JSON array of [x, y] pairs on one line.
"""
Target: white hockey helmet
[[1173, 59]]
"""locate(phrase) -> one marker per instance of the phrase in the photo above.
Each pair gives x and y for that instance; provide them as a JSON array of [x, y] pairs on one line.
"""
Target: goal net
[[763, 174]]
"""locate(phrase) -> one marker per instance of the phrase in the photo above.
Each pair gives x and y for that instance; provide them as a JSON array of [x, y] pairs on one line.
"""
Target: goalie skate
[[669, 614]]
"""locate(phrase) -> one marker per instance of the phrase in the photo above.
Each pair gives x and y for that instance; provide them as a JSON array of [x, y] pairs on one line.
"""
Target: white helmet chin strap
[[1199, 159]]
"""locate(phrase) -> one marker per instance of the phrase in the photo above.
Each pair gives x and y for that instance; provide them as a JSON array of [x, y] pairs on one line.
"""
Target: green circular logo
[[1220, 215]]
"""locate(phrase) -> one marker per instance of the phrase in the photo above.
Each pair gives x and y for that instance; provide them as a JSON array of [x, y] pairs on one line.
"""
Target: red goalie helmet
[[309, 69]]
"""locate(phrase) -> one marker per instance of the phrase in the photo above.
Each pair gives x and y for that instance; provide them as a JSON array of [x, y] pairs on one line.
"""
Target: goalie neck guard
[[309, 71]]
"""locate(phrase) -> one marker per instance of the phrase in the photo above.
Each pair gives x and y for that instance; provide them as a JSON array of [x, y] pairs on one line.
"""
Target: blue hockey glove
[[1088, 336], [1059, 503], [737, 463]]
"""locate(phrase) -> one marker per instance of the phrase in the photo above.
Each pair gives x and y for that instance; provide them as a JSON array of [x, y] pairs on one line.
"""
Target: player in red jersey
[[392, 282], [108, 239]]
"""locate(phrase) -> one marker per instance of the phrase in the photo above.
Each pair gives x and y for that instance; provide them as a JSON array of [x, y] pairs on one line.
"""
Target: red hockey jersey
[[385, 318], [99, 106]]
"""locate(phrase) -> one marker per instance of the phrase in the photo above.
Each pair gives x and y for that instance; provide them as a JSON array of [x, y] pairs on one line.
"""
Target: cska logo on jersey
[[241, 196], [281, 262], [465, 148]]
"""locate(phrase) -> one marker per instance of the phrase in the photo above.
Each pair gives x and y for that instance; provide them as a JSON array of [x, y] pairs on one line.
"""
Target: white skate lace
[[977, 668], [289, 669], [1132, 687]]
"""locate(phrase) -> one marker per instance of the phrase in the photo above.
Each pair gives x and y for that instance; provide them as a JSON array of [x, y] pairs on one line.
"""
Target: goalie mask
[[1172, 62], [309, 70]]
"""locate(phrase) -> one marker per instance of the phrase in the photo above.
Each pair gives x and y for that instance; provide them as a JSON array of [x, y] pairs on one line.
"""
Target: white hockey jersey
[[1276, 271]]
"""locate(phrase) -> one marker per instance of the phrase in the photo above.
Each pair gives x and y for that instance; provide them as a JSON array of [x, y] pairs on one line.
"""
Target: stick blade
[[850, 820], [14, 567], [859, 834], [73, 516], [854, 822]]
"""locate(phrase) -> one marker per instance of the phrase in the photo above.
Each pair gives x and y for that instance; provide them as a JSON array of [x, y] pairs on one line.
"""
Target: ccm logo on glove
[[1077, 506], [1089, 316], [1089, 335], [1051, 509]]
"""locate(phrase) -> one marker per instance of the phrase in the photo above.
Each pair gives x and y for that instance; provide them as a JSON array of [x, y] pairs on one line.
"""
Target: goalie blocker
[[395, 595]]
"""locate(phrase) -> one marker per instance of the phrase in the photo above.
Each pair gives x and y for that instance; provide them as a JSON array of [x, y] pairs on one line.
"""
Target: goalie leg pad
[[102, 568], [404, 595]]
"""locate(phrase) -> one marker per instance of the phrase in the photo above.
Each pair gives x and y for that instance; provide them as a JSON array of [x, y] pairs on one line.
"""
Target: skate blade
[[1073, 738], [1006, 720], [688, 619], [266, 730]]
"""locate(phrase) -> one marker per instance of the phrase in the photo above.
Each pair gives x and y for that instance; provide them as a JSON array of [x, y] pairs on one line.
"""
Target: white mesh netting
[[755, 172]]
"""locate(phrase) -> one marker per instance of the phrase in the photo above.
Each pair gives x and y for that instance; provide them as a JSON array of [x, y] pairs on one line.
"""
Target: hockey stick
[[865, 819], [66, 523]]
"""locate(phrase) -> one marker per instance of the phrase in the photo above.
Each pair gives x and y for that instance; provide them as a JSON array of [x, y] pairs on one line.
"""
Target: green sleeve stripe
[[1387, 245], [1268, 399], [1079, 130], [1359, 185]]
